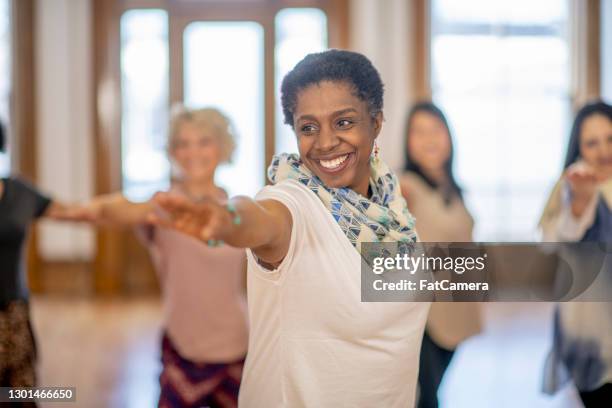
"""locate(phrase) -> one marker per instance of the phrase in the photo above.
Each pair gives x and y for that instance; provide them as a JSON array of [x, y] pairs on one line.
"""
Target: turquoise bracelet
[[232, 209], [236, 220], [214, 243]]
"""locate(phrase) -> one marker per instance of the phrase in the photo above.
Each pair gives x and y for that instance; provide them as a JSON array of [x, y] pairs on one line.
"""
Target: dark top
[[20, 204]]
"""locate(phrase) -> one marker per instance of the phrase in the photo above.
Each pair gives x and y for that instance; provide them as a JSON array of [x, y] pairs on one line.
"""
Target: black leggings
[[433, 363], [600, 397]]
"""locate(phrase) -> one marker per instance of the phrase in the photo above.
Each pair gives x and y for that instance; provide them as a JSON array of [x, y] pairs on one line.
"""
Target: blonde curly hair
[[209, 120]]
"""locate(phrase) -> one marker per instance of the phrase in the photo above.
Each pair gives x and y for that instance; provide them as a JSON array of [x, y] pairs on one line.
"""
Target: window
[[501, 72], [299, 31], [5, 76], [144, 97], [224, 66], [218, 76]]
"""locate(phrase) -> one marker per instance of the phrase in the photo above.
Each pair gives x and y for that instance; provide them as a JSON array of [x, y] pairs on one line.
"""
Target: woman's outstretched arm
[[264, 226], [111, 209]]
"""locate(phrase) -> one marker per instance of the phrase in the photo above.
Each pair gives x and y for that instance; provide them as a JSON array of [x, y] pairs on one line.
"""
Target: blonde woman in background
[[435, 200], [205, 324]]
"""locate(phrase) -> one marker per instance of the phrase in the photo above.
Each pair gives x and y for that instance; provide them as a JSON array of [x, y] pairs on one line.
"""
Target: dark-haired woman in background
[[434, 198], [579, 209], [20, 205]]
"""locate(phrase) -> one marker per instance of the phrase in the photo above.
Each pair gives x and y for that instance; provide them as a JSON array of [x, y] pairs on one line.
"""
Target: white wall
[[380, 30], [606, 50], [63, 119]]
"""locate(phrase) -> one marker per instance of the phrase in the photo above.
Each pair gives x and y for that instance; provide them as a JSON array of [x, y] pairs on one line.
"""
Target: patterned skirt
[[17, 346], [184, 383]]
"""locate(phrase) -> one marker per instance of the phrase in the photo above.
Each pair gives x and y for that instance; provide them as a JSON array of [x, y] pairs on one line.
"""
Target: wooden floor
[[108, 350]]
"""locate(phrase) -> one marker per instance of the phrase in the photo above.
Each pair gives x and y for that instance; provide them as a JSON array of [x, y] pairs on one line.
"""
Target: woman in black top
[[20, 205]]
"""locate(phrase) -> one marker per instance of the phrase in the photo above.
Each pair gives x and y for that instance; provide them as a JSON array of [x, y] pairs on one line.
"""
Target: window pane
[[144, 98], [513, 11], [299, 31], [218, 75], [5, 76], [501, 73]]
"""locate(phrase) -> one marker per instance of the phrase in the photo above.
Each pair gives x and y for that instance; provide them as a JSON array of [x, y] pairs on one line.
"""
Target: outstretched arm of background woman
[[65, 212], [264, 226], [112, 209]]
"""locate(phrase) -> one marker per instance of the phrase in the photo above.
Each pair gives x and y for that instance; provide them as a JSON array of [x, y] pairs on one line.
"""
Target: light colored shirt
[[582, 337], [438, 221], [566, 227], [313, 342], [204, 303]]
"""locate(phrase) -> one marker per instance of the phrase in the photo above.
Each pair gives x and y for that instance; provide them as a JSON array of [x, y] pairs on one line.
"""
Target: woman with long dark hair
[[579, 210], [435, 199]]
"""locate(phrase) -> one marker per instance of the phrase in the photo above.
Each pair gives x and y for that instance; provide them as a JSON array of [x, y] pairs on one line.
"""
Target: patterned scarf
[[383, 218]]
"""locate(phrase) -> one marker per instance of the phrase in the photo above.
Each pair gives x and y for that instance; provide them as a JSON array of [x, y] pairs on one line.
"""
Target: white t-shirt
[[313, 343]]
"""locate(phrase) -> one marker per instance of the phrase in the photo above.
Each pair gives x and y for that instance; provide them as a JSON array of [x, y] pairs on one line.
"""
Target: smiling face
[[335, 133], [428, 141], [596, 143], [197, 152]]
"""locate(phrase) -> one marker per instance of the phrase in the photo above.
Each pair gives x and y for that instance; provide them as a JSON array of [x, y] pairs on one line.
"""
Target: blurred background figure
[[579, 209], [434, 198], [205, 334], [21, 205]]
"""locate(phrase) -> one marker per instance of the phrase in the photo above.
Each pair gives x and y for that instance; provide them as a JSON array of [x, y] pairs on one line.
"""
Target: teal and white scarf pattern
[[382, 218]]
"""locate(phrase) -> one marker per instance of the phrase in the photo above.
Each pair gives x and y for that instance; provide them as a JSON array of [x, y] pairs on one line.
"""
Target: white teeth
[[334, 163]]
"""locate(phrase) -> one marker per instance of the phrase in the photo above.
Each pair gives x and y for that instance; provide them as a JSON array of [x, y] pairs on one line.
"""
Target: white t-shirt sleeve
[[567, 227], [287, 195]]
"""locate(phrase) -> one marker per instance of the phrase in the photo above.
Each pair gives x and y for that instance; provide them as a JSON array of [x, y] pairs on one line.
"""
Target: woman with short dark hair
[[312, 341]]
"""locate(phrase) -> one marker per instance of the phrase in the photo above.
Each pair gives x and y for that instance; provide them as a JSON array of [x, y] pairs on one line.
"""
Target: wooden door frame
[[585, 42], [420, 58], [106, 104], [23, 112]]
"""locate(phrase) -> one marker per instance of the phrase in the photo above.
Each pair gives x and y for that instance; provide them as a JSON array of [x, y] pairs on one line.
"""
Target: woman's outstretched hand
[[583, 180], [264, 226], [208, 220]]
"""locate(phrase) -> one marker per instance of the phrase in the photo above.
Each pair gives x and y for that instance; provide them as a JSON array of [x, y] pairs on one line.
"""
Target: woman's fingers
[[156, 219], [579, 174], [212, 228], [173, 204], [578, 177], [203, 220]]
